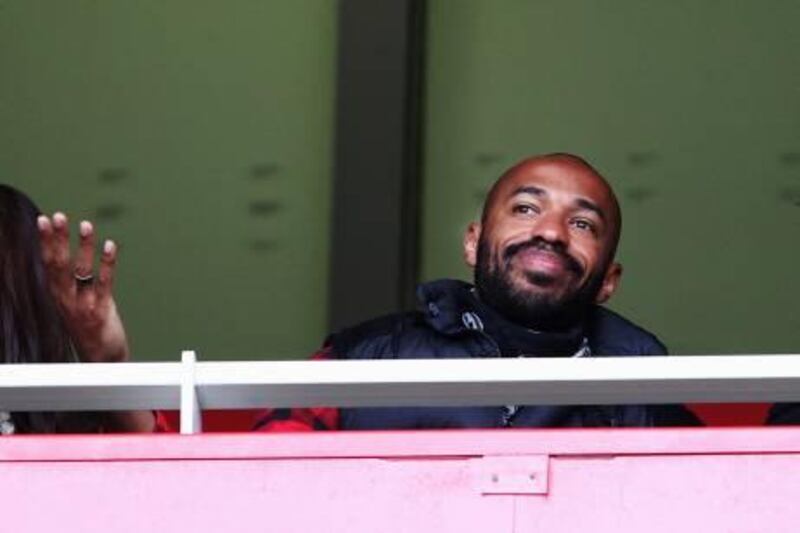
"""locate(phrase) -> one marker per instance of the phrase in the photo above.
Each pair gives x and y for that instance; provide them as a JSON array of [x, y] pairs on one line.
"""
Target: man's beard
[[535, 309]]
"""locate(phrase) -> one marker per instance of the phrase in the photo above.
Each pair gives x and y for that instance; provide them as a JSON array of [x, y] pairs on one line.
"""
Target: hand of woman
[[84, 297]]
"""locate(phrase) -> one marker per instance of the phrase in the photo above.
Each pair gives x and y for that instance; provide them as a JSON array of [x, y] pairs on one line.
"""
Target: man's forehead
[[554, 176]]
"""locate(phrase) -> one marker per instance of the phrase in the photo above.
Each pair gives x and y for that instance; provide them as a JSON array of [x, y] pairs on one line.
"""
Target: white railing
[[191, 386]]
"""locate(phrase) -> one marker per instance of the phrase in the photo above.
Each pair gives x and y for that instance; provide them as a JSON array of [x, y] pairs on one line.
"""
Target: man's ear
[[471, 238], [610, 283]]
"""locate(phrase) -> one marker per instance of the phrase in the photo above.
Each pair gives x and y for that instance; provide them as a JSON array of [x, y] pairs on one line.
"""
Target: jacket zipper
[[510, 411]]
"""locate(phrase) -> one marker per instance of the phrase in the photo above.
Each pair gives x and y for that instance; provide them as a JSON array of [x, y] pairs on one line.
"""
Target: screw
[[495, 478]]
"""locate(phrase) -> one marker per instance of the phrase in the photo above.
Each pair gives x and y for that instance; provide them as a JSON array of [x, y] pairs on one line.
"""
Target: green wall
[[690, 108], [198, 135]]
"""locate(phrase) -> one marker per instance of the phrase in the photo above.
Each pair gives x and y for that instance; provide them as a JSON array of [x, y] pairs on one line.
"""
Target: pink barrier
[[737, 480]]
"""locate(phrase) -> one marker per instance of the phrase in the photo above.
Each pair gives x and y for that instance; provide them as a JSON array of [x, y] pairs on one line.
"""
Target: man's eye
[[525, 209], [584, 225]]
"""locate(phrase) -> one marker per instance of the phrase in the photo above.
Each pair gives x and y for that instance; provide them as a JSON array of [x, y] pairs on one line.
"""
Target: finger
[[45, 238], [105, 273], [60, 261], [84, 257], [83, 266]]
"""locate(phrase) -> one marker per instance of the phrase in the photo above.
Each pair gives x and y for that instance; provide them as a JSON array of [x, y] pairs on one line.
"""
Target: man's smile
[[541, 262], [545, 262]]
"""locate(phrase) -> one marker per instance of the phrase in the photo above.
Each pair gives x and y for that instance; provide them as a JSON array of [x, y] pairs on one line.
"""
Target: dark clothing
[[784, 414], [452, 323], [59, 422]]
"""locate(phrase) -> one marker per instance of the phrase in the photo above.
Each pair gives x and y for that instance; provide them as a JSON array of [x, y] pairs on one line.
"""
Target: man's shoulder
[[436, 329], [612, 334], [381, 325], [374, 336]]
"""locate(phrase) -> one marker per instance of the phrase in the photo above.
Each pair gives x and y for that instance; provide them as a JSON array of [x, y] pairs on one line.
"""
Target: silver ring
[[83, 280]]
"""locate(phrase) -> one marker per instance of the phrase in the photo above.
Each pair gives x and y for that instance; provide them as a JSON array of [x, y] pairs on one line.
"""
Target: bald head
[[567, 168]]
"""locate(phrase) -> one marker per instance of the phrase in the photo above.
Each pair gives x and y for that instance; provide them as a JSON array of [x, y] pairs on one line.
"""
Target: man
[[543, 261]]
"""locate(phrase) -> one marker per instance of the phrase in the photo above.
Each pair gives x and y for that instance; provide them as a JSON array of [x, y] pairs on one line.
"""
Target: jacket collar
[[447, 305]]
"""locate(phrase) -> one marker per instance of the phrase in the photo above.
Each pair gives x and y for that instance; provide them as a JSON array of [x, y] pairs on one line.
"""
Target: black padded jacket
[[444, 327]]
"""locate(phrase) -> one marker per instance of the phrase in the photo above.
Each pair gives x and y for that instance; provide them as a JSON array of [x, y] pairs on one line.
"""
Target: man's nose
[[552, 228]]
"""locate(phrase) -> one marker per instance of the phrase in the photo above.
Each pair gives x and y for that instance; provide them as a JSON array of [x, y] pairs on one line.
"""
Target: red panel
[[731, 414], [216, 421]]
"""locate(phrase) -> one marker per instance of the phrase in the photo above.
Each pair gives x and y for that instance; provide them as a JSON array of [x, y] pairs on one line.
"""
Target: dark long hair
[[31, 328]]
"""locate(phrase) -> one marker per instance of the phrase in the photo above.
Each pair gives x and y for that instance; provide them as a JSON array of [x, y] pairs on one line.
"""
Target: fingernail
[[108, 247], [42, 222], [59, 219], [85, 228]]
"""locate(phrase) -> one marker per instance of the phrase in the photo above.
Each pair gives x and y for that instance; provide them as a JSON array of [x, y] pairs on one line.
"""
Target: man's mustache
[[537, 243]]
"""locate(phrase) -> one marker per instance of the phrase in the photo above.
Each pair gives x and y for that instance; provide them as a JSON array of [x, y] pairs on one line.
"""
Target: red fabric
[[214, 421], [166, 421], [300, 419], [731, 414]]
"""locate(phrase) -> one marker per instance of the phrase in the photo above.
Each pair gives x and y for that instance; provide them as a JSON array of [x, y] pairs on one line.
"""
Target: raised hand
[[84, 297]]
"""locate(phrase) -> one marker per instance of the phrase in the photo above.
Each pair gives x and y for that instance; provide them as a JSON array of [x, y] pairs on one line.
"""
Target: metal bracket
[[516, 474]]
